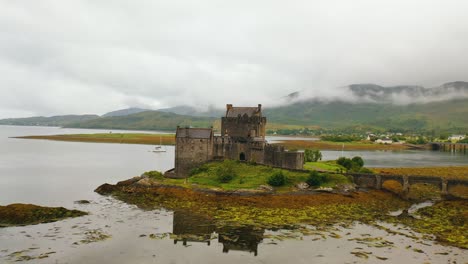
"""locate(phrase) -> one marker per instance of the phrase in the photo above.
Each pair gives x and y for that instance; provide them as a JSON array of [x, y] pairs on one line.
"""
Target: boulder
[[82, 202], [129, 181], [145, 182], [265, 188], [346, 187], [106, 189], [302, 186]]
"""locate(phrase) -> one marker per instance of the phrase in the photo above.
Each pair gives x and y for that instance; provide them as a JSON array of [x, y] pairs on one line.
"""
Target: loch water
[[54, 173]]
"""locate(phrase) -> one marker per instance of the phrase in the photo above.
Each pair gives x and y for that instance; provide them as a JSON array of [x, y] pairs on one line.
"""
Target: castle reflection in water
[[189, 227]]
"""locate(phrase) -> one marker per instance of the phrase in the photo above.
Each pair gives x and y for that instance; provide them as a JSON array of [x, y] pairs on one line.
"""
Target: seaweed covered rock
[[29, 214], [106, 189]]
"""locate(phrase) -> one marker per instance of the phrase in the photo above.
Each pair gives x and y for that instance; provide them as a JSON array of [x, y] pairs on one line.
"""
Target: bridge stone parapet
[[376, 181], [449, 147]]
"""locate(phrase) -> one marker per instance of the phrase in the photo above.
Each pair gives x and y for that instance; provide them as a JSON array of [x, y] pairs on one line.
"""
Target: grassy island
[[30, 214], [247, 176]]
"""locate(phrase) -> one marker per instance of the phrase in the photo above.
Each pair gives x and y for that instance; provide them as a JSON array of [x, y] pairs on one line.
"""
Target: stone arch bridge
[[376, 181]]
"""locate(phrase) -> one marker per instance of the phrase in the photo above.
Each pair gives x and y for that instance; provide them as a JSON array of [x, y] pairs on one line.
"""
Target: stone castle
[[242, 138]]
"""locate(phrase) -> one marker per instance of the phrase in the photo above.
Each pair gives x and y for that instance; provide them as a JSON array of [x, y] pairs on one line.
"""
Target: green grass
[[248, 176], [324, 165]]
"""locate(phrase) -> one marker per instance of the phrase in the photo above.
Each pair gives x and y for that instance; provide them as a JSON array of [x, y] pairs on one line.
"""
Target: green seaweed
[[28, 214]]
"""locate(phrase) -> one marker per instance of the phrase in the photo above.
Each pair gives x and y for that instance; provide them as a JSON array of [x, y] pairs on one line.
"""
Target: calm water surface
[[54, 173]]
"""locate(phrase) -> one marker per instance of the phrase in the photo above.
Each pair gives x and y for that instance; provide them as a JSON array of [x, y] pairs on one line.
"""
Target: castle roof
[[201, 133], [250, 111]]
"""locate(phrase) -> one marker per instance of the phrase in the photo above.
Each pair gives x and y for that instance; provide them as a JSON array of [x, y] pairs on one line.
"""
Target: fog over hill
[[399, 95]]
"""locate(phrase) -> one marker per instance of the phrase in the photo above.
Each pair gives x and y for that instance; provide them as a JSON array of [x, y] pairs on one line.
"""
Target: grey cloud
[[60, 57]]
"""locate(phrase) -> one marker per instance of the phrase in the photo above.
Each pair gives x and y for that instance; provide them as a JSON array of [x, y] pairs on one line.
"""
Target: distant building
[[456, 137], [242, 138], [371, 137], [384, 141]]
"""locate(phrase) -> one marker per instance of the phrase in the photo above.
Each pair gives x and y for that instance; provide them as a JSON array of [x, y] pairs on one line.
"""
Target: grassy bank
[[329, 165], [244, 176], [328, 145], [28, 214], [122, 138]]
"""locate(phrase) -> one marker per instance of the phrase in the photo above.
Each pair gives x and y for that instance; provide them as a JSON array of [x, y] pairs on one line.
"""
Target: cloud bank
[[63, 57]]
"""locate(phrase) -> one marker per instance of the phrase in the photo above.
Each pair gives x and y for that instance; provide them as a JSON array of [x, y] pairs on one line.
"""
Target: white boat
[[160, 147]]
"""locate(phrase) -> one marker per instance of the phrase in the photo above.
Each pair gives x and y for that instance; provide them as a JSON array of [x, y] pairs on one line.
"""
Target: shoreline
[[169, 139]]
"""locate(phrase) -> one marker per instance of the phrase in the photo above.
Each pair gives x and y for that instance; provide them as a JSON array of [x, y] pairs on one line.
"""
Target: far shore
[[169, 139]]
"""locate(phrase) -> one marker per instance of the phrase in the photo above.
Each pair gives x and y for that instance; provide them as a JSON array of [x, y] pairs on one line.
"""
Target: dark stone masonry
[[242, 138]]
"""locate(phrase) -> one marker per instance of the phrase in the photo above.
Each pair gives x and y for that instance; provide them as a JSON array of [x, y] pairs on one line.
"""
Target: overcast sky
[[76, 57]]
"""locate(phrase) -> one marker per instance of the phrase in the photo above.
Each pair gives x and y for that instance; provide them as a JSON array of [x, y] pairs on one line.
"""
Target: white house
[[384, 141], [456, 137]]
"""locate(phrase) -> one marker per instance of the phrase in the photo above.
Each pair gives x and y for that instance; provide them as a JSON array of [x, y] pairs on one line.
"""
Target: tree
[[359, 161], [312, 155], [277, 179], [316, 179], [355, 164]]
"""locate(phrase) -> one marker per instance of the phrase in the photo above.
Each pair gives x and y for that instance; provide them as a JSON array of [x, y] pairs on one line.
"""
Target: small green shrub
[[352, 165], [277, 179], [345, 162], [198, 170], [358, 160], [312, 155], [226, 172], [316, 179], [156, 175], [366, 170]]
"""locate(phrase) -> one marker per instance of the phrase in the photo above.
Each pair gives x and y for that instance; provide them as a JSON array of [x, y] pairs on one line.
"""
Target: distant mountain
[[449, 115], [124, 112], [360, 107], [193, 111], [47, 121], [149, 120]]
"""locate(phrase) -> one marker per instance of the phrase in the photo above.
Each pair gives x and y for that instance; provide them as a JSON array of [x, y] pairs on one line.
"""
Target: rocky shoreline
[[144, 183], [30, 214]]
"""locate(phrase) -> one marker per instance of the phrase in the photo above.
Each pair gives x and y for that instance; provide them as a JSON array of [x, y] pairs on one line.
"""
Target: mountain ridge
[[375, 110]]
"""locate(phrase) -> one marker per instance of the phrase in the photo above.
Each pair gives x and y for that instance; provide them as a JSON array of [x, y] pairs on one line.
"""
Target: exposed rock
[[302, 186], [324, 189], [82, 202], [129, 181], [146, 182], [106, 189], [28, 214], [346, 187], [265, 188]]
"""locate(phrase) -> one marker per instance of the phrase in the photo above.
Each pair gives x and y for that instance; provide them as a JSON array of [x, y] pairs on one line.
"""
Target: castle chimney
[[259, 107], [228, 107]]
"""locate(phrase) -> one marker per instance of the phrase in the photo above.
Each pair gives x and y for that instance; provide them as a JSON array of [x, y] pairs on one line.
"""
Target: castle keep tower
[[242, 138], [243, 123]]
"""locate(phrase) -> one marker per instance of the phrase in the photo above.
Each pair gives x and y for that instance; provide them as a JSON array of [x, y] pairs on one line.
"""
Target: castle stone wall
[[243, 127], [243, 138]]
